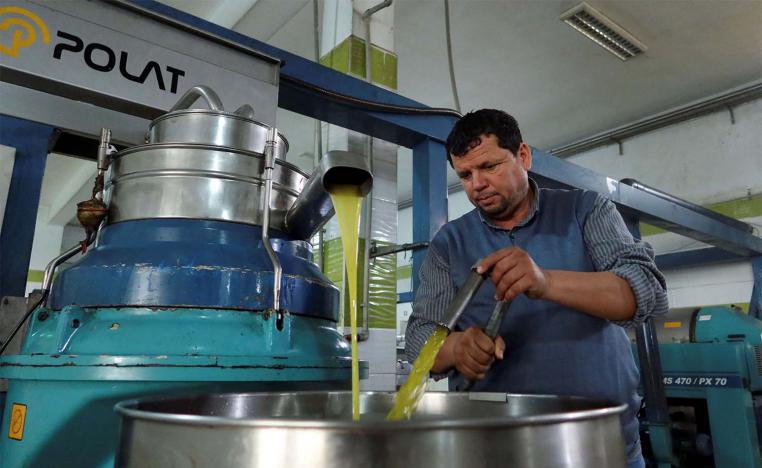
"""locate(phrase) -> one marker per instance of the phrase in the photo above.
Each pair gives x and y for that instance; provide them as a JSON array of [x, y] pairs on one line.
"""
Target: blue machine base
[[76, 363]]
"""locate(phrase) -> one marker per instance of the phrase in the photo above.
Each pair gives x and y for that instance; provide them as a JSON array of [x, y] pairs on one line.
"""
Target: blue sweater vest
[[550, 348]]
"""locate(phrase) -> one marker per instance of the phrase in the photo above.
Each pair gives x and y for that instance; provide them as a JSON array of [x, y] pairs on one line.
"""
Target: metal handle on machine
[[204, 92], [245, 111], [271, 147], [47, 281], [492, 329]]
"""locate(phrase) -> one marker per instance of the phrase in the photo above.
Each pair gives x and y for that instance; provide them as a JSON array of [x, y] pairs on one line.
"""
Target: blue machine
[[182, 292], [711, 361]]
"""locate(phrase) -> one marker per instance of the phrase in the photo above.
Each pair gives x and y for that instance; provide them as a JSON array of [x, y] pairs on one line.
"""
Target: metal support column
[[755, 304], [651, 376], [429, 197], [32, 142]]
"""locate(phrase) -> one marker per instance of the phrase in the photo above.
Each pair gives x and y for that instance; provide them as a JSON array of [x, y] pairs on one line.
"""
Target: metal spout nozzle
[[313, 208]]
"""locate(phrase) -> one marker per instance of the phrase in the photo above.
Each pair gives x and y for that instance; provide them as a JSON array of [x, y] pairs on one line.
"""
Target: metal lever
[[492, 329]]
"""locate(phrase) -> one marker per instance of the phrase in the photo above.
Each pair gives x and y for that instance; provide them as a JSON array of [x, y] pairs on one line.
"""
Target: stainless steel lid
[[198, 182], [214, 128]]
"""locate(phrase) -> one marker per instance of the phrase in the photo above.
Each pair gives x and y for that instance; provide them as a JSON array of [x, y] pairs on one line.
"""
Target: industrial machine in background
[[711, 361]]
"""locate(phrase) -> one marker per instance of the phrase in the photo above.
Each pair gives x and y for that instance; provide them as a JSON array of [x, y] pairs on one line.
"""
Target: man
[[564, 258]]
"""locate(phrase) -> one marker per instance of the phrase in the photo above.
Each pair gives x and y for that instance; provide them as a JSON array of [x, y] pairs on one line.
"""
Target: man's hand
[[514, 272], [474, 352]]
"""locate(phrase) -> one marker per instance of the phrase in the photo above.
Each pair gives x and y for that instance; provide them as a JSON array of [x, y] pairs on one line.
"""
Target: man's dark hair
[[466, 132]]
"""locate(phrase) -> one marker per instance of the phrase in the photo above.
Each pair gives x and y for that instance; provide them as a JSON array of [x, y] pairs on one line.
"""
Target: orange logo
[[19, 24]]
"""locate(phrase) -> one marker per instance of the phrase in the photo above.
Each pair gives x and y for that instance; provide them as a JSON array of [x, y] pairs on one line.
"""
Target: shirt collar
[[533, 209]]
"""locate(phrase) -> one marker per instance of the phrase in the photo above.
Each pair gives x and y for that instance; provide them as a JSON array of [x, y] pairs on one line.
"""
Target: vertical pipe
[[271, 147]]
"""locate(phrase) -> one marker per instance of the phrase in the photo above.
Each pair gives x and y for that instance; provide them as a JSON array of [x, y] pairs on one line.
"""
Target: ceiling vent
[[603, 30]]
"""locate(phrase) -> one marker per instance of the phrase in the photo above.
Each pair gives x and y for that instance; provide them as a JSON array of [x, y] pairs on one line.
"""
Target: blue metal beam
[[32, 142], [696, 257], [551, 170], [755, 304], [405, 297], [429, 197], [296, 72]]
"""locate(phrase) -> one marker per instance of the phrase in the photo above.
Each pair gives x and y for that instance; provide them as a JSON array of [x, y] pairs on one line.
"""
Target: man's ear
[[525, 155]]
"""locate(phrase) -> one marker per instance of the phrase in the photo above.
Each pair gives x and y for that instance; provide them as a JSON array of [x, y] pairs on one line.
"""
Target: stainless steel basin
[[314, 429]]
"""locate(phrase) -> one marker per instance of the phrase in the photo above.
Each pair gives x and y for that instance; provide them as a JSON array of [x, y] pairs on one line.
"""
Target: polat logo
[[20, 28], [23, 27]]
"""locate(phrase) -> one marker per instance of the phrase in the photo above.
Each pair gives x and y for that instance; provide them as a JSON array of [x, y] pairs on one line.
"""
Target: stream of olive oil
[[346, 201], [413, 389]]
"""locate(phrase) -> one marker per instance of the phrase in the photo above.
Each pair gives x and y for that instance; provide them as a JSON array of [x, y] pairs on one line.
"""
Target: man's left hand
[[514, 272]]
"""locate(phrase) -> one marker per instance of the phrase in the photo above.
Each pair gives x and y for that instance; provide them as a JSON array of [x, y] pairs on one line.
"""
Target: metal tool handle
[[462, 298], [491, 329], [192, 95]]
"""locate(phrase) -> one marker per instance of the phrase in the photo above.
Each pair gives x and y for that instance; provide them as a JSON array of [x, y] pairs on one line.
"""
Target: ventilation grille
[[758, 356], [603, 31]]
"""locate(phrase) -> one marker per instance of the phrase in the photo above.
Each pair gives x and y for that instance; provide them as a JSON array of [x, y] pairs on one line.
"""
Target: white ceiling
[[518, 56]]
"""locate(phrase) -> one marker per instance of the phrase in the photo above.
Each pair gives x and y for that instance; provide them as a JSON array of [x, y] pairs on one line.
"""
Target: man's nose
[[478, 180]]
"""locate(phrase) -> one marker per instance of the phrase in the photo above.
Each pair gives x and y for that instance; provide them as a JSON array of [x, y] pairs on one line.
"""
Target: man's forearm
[[602, 294]]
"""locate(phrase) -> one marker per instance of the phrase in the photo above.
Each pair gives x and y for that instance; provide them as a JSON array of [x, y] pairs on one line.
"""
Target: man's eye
[[464, 176]]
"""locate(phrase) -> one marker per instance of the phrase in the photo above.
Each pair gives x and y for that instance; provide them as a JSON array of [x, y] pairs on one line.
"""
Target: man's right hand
[[473, 352]]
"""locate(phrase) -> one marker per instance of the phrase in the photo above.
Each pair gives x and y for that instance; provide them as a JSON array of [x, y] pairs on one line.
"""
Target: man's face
[[494, 179]]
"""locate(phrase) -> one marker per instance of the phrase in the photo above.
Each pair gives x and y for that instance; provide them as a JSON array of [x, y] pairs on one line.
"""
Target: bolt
[[5, 301], [75, 323], [43, 316]]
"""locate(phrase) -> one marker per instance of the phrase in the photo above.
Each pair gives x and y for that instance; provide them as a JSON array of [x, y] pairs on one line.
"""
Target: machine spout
[[313, 208]]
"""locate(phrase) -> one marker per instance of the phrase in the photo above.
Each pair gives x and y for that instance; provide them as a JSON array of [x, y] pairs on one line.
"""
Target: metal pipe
[[450, 63], [271, 147], [372, 10], [47, 281], [367, 233], [204, 92], [368, 205], [50, 269], [245, 111], [713, 104], [103, 150]]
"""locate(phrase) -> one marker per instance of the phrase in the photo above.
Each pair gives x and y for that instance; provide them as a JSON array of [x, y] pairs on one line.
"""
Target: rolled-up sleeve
[[612, 248], [434, 294]]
